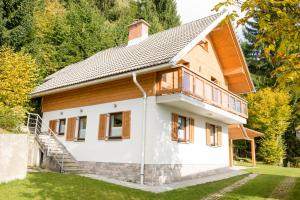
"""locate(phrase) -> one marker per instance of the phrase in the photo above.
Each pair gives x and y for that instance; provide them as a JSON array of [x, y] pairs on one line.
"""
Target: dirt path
[[230, 188], [281, 191]]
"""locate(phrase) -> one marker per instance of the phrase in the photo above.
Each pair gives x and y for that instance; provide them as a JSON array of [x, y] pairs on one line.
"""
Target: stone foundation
[[122, 171], [155, 174]]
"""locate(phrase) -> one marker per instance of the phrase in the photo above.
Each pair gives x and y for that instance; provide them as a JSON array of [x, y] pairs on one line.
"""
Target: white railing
[[34, 125]]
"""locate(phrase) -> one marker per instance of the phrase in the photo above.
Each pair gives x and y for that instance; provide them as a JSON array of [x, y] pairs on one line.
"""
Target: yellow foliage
[[17, 77], [44, 17]]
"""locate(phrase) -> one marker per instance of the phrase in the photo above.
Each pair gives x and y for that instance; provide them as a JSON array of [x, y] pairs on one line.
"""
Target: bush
[[11, 118]]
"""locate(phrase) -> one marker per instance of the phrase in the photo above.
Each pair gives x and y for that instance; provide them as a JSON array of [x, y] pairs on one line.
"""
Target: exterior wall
[[206, 62], [34, 153], [118, 90], [13, 157], [179, 158], [161, 152]]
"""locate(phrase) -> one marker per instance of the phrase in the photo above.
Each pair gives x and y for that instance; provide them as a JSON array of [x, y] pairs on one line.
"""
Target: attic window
[[213, 79], [204, 45]]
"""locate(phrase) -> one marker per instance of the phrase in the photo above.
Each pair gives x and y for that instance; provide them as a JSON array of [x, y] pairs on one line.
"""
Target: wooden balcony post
[[180, 78], [230, 153], [253, 152]]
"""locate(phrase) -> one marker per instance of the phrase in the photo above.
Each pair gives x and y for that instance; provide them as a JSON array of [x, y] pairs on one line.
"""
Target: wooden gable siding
[[203, 60], [101, 93], [231, 59]]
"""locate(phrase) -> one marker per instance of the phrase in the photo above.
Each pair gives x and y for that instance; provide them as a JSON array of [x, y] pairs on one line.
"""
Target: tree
[[259, 66], [65, 35], [167, 13], [17, 79], [16, 25], [270, 113]]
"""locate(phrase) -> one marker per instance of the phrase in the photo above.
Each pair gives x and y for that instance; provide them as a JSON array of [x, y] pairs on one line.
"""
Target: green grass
[[275, 170], [259, 188], [295, 192], [262, 186], [50, 186]]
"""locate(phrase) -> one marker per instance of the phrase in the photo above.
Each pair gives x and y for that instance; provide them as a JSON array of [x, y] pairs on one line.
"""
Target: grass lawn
[[50, 186], [263, 185]]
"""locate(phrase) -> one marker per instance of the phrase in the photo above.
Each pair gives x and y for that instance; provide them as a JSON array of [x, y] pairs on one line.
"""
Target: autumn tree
[[270, 113], [17, 79]]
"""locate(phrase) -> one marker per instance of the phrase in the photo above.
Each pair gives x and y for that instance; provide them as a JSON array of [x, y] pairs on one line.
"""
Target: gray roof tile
[[157, 49]]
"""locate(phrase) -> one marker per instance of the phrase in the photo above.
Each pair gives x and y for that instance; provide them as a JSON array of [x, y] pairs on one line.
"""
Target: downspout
[[144, 125]]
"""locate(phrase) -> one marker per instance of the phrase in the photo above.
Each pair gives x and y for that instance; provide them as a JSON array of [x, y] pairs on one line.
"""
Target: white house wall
[[159, 147]]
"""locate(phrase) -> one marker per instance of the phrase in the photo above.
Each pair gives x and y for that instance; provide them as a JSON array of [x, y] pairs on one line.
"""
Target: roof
[[239, 132], [159, 48]]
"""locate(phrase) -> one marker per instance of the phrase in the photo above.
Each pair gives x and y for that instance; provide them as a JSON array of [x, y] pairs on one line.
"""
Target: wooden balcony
[[184, 81]]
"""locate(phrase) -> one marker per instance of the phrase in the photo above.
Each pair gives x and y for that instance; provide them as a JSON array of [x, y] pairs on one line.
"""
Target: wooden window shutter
[[191, 129], [174, 128], [126, 118], [208, 134], [102, 127], [219, 136], [71, 128], [52, 126]]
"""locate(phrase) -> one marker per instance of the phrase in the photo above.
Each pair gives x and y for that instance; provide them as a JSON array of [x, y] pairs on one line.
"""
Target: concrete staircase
[[51, 147]]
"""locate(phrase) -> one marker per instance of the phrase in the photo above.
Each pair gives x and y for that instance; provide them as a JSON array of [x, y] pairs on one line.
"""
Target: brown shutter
[[71, 127], [52, 126], [174, 128], [102, 127], [126, 116], [219, 136], [191, 129], [208, 134]]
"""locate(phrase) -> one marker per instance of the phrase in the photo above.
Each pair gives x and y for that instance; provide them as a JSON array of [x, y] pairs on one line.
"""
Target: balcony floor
[[198, 107]]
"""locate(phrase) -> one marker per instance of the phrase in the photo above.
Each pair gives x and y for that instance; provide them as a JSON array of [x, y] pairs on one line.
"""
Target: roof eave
[[101, 80]]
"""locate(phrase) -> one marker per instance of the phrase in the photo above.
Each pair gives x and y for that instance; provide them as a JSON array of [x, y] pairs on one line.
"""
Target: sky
[[190, 10]]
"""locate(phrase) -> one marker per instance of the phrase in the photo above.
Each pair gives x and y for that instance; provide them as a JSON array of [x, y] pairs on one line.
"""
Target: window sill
[[79, 140], [113, 139], [214, 146]]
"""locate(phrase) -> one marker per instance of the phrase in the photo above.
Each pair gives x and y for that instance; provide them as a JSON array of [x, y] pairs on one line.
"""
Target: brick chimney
[[138, 31]]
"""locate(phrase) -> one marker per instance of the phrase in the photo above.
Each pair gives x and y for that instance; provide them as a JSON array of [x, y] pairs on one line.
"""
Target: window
[[182, 129], [115, 126], [62, 127], [213, 79], [82, 128], [213, 135]]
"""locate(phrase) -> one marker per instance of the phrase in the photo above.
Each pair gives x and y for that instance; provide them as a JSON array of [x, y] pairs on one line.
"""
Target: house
[[156, 110]]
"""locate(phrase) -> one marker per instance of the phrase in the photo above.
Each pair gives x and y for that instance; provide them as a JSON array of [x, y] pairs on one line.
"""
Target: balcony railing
[[182, 80]]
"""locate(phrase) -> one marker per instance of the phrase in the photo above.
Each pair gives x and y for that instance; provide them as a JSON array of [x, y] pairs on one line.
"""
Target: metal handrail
[[50, 132]]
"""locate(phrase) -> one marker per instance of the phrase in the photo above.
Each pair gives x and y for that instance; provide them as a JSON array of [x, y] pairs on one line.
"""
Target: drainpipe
[[144, 125]]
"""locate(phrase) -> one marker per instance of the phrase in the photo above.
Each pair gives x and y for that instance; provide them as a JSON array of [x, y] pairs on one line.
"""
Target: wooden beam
[[253, 152], [230, 153], [234, 71]]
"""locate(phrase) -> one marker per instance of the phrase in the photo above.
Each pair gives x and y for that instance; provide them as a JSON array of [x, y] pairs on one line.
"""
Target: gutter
[[144, 125]]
